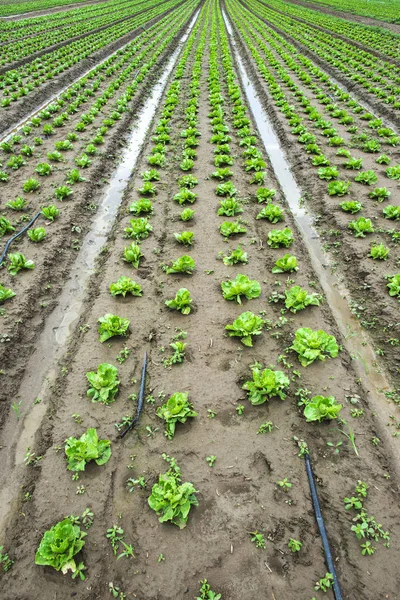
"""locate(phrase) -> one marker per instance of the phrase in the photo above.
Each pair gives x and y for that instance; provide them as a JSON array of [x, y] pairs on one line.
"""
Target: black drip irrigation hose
[[322, 529], [16, 235], [140, 399]]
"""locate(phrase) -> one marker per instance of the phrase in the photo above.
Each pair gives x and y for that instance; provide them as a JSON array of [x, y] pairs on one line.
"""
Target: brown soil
[[240, 493]]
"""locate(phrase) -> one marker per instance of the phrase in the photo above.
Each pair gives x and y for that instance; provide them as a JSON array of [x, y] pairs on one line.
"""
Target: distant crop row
[[385, 10], [10, 7]]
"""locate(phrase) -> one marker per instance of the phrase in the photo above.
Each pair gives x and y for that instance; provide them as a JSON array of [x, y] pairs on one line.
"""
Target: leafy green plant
[[265, 384], [206, 592], [298, 298], [15, 162], [184, 264], [112, 325], [383, 159], [366, 177], [322, 408], [139, 229], [170, 499], [361, 226], [229, 207], [6, 294], [338, 188], [74, 176], [59, 545], [353, 163], [63, 192], [351, 206], [144, 205], [133, 254], [280, 237], [379, 252], [104, 383], [5, 226], [88, 447], [124, 286], [182, 301], [185, 237], [328, 173], [187, 181], [50, 212], [325, 583], [265, 194], [294, 545], [31, 185], [43, 169], [393, 172], [37, 235], [379, 194], [394, 285], [222, 173], [17, 204], [228, 228], [177, 409], [186, 164], [235, 257], [286, 264], [226, 189], [83, 161], [272, 212], [55, 156], [245, 326], [313, 345], [258, 539], [5, 561], [18, 262], [241, 286], [392, 212]]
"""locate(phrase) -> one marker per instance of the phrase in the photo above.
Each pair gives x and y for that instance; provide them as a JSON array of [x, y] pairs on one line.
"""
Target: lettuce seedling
[[182, 301], [392, 212], [241, 286], [157, 159], [43, 169], [361, 226], [55, 156], [393, 172], [139, 229], [186, 164], [184, 264], [50, 212], [187, 214], [379, 252], [266, 384], [313, 345], [394, 285], [17, 204], [63, 145], [143, 205], [132, 254], [298, 298], [59, 545], [322, 408], [379, 194], [5, 226], [104, 383], [286, 264], [383, 159], [222, 173], [280, 237], [351, 206], [258, 177], [185, 238], [112, 325], [222, 159], [366, 177], [226, 189], [272, 212], [151, 175], [353, 163], [124, 286], [37, 235], [328, 173], [177, 409], [185, 195], [170, 499], [62, 192], [245, 326], [88, 447], [15, 162], [265, 194], [18, 262], [229, 207], [338, 188], [31, 185], [237, 256], [320, 161], [5, 294], [83, 161], [228, 228]]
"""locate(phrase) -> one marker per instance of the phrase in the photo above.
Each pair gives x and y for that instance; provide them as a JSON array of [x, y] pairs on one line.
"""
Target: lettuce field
[[199, 299]]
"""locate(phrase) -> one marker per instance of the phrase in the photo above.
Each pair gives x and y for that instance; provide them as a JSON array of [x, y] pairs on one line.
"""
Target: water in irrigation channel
[[357, 342], [42, 369]]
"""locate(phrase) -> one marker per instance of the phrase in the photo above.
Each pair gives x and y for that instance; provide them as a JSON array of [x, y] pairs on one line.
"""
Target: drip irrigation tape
[[140, 399], [16, 235]]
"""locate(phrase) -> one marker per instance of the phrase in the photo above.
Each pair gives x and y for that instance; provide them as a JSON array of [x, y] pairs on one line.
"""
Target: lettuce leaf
[[59, 545], [245, 326], [176, 409], [241, 286], [265, 384], [88, 447], [112, 325], [321, 408], [104, 383], [314, 345]]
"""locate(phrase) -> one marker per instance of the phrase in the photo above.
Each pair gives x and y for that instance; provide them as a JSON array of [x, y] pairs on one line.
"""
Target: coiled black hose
[[16, 235], [322, 529]]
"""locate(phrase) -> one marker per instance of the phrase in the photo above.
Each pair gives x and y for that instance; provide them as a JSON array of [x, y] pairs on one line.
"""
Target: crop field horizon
[[199, 299]]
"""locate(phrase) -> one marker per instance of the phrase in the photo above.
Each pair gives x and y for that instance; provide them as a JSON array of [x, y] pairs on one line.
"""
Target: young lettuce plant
[[31, 185], [184, 195], [143, 205], [245, 326], [59, 545], [241, 286], [366, 177], [139, 229], [392, 212], [353, 163], [5, 226], [265, 385], [228, 228], [133, 254], [182, 301], [265, 194], [235, 257], [63, 192], [184, 264], [185, 238], [74, 176], [393, 172], [177, 409], [43, 169], [104, 383], [328, 173], [322, 408], [187, 214], [338, 188], [37, 235], [124, 286], [170, 499], [112, 325], [312, 345], [19, 262], [88, 447], [379, 252], [188, 181], [50, 212], [229, 207], [351, 206], [226, 189], [394, 285], [222, 173], [361, 226], [6, 294], [18, 204], [272, 212], [286, 264], [379, 194], [278, 238], [298, 298]]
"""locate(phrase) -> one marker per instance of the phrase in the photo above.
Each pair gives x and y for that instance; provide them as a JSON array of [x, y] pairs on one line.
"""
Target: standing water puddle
[[41, 369], [356, 342]]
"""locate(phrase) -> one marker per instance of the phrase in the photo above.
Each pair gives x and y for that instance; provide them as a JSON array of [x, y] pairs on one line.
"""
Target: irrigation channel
[[244, 458]]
